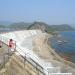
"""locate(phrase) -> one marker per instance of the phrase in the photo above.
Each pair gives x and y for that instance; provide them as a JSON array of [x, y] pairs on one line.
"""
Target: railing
[[5, 56], [29, 60], [36, 65], [32, 62]]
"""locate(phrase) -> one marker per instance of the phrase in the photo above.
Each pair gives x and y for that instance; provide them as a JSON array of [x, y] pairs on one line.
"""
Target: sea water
[[66, 46]]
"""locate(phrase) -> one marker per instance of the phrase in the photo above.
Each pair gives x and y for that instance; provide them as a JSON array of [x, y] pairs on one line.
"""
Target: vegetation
[[63, 27], [2, 26], [52, 29], [20, 25], [37, 25]]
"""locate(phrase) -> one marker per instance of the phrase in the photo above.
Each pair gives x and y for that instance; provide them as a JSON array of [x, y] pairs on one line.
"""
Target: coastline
[[41, 47], [58, 57]]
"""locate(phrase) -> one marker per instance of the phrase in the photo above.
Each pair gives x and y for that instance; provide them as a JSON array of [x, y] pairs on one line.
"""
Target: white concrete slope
[[24, 42]]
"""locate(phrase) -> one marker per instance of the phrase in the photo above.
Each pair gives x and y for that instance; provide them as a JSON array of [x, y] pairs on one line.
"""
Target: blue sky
[[49, 11]]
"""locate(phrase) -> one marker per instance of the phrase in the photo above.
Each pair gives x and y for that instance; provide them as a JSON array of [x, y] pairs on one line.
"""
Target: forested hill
[[38, 25], [63, 27], [44, 26], [19, 25]]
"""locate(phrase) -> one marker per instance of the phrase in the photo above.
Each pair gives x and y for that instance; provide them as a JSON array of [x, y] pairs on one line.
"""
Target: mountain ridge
[[38, 25]]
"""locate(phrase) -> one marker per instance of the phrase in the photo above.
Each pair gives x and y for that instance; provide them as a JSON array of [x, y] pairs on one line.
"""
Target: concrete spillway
[[24, 44]]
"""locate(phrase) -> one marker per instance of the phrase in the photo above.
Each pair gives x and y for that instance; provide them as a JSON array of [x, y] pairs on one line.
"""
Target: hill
[[50, 28], [38, 25], [19, 25], [5, 22], [63, 27]]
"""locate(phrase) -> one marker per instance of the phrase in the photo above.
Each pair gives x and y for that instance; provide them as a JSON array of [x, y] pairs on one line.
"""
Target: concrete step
[[60, 74], [53, 70]]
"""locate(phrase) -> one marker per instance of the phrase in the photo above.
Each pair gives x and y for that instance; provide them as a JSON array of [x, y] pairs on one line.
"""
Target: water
[[65, 48]]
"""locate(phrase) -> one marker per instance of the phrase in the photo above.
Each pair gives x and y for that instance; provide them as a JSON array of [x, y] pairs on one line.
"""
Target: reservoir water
[[65, 44]]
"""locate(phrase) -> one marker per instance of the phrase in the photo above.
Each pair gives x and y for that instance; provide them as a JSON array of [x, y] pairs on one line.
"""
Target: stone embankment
[[43, 49], [38, 45]]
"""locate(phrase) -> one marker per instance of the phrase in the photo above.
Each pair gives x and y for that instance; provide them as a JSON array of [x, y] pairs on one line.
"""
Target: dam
[[33, 56]]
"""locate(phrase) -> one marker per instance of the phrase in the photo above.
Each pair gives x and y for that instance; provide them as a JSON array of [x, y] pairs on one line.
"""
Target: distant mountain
[[5, 22], [63, 27], [73, 25], [45, 27], [35, 25], [19, 25], [2, 26]]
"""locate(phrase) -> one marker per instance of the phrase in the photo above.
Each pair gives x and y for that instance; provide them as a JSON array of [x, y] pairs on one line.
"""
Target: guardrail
[[38, 67], [32, 62]]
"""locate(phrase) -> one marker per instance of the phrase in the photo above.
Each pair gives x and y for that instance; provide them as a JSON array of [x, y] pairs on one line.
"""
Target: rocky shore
[[41, 46]]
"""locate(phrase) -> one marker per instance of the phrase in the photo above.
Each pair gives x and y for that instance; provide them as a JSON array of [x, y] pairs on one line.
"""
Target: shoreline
[[59, 58], [48, 54]]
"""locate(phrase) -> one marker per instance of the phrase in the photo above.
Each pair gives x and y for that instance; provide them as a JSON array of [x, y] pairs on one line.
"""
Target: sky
[[49, 11]]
